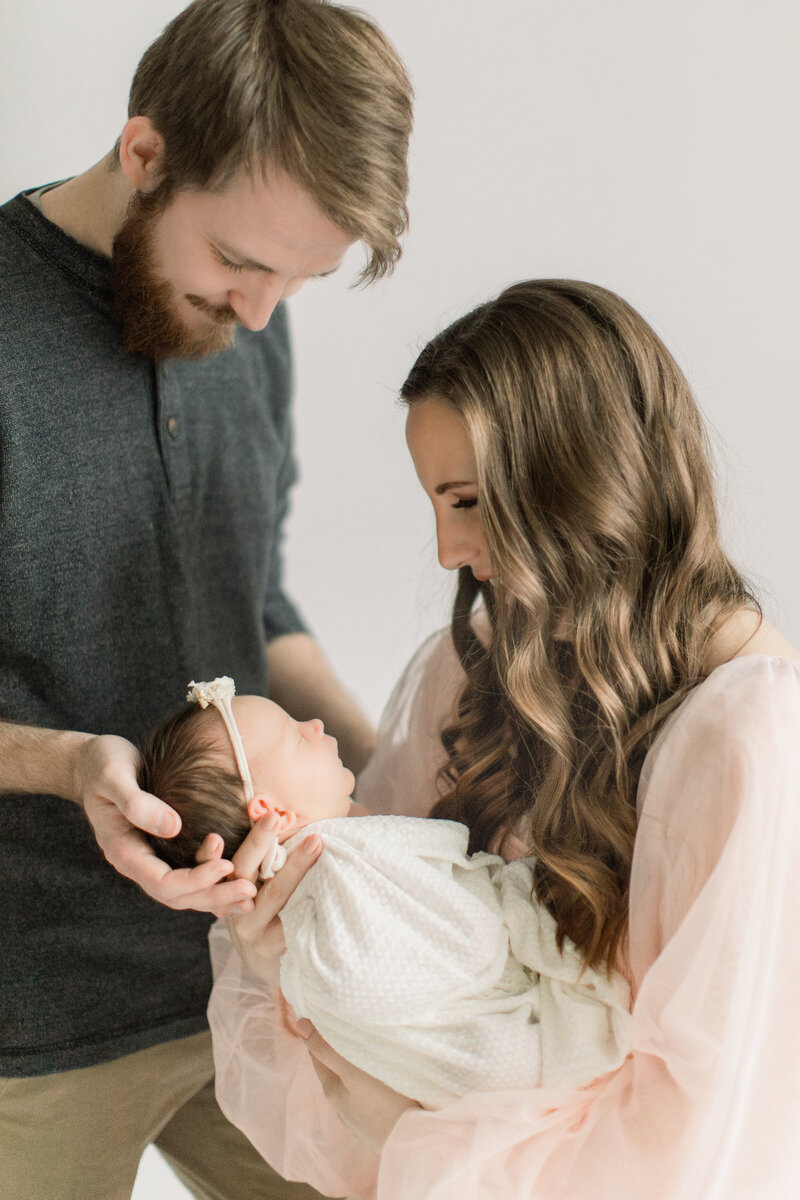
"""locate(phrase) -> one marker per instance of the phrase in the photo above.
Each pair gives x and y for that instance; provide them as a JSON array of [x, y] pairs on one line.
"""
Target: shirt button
[[172, 426]]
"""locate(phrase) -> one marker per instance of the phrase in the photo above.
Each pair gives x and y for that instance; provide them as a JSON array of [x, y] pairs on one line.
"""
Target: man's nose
[[255, 303]]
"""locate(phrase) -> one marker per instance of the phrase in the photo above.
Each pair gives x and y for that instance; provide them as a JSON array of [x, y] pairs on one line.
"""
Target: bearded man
[[145, 434]]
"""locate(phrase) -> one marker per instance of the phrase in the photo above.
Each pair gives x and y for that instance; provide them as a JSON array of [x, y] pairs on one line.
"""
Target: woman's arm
[[707, 1103]]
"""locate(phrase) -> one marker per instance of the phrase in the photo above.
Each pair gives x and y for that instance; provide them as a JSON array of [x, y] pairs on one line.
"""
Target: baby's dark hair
[[183, 765]]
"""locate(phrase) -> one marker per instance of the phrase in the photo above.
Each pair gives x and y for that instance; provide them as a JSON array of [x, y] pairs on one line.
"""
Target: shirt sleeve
[[280, 614]]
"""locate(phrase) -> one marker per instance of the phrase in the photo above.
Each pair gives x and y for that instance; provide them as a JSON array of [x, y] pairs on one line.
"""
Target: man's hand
[[369, 1108], [118, 811], [258, 936]]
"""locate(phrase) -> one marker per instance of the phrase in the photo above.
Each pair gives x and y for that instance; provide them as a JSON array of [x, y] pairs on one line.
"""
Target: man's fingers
[[179, 885], [136, 859], [212, 848], [147, 812], [223, 900]]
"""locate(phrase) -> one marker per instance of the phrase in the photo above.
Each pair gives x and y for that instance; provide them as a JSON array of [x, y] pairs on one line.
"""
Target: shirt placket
[[173, 433]]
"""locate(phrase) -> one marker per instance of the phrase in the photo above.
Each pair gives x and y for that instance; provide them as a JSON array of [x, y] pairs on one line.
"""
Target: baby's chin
[[343, 809]]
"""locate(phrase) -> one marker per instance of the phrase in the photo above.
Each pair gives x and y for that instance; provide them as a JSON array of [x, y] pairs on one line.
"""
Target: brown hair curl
[[596, 499]]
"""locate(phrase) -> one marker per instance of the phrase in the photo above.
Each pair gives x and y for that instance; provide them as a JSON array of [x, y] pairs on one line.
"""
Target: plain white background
[[647, 147]]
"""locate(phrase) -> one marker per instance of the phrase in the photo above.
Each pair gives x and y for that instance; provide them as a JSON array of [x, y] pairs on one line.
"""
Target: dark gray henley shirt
[[140, 523]]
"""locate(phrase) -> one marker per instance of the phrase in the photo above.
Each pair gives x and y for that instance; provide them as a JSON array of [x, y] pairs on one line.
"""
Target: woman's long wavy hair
[[597, 503]]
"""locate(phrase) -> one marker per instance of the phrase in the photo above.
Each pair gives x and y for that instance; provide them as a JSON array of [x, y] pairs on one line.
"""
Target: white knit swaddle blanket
[[436, 972]]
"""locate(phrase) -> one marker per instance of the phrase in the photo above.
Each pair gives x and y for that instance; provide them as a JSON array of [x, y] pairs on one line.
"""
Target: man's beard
[[146, 304]]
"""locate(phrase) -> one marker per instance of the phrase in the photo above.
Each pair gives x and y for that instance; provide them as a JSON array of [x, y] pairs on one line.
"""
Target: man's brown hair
[[184, 764], [303, 85]]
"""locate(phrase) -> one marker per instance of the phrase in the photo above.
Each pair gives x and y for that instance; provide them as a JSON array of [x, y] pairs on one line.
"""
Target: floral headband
[[219, 693]]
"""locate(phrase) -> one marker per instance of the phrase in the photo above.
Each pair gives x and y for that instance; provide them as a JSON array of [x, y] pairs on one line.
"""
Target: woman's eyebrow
[[441, 488]]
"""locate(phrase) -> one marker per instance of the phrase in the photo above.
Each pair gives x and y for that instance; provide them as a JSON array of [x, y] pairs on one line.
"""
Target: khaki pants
[[79, 1135]]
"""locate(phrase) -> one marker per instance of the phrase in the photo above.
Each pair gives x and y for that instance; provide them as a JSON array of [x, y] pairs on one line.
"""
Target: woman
[[618, 708]]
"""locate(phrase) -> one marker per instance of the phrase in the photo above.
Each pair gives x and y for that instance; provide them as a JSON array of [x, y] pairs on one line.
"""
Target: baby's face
[[295, 763]]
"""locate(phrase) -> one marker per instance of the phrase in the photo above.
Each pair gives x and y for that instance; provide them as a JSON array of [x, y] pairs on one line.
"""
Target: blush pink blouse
[[707, 1105]]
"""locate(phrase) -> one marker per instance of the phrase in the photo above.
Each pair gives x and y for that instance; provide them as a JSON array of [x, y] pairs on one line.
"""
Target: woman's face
[[446, 468]]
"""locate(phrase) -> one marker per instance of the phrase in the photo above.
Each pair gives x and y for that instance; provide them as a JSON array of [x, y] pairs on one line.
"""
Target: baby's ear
[[260, 806]]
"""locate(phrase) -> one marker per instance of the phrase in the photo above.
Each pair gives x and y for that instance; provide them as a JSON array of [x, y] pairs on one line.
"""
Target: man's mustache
[[221, 316]]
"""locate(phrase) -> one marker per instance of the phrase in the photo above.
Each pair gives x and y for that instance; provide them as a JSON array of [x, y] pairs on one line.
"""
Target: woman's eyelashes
[[466, 502]]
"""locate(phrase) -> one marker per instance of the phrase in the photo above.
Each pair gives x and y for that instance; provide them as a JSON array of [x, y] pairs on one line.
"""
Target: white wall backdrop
[[648, 147]]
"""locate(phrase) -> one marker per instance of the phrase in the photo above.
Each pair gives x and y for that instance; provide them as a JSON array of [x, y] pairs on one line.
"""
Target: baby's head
[[290, 768]]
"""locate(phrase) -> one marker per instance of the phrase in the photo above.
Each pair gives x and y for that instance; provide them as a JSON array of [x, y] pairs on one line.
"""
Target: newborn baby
[[431, 970]]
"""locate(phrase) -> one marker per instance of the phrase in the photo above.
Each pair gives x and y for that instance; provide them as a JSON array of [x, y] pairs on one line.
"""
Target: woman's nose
[[315, 726], [453, 550]]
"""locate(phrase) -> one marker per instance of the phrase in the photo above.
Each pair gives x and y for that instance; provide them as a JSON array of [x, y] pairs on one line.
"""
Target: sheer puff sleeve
[[707, 1107], [267, 1086], [401, 775]]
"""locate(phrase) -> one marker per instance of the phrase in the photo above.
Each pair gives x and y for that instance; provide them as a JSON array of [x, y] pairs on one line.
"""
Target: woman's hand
[[369, 1108], [257, 932]]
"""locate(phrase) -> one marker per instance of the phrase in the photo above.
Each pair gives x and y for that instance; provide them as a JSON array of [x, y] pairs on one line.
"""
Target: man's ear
[[141, 154]]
